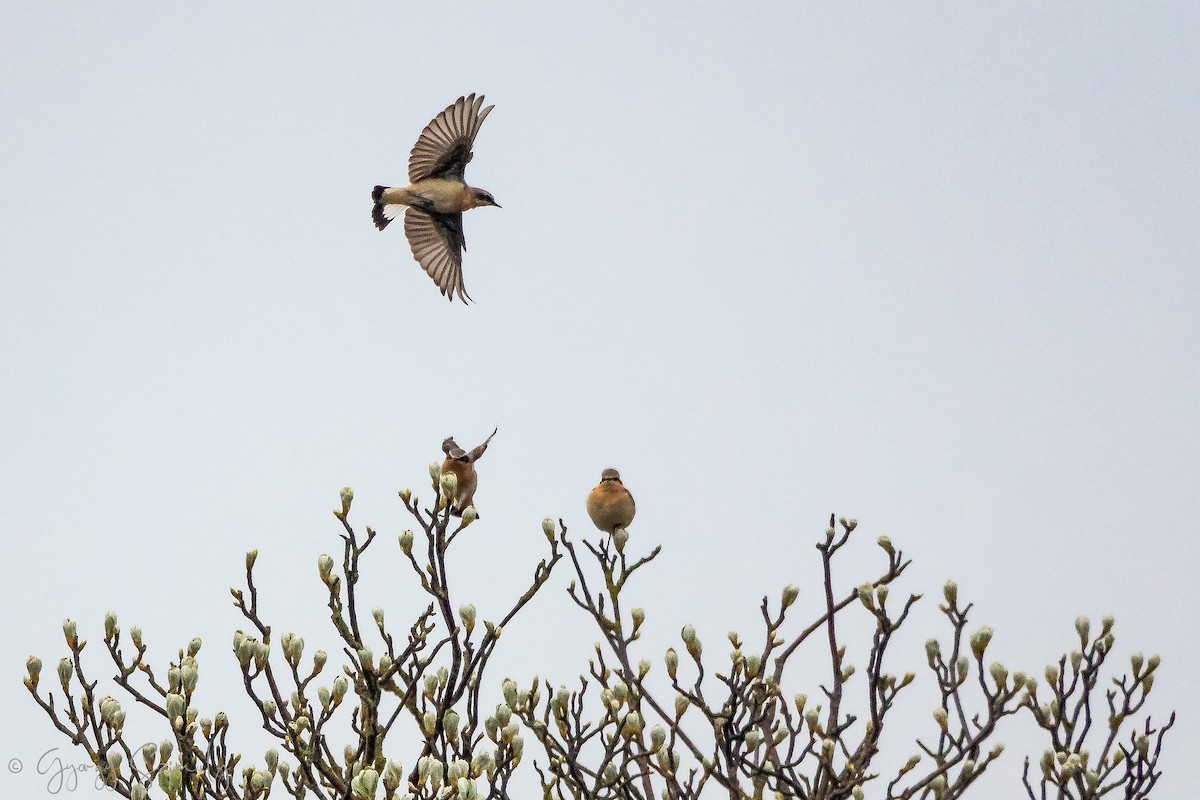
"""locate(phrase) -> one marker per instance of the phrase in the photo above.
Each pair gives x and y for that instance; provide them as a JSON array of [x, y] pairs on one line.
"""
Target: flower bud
[[449, 484], [406, 542], [881, 593], [950, 592], [790, 593], [886, 544], [110, 625], [995, 752], [392, 776], [999, 674], [681, 705], [932, 651], [69, 633], [34, 667], [365, 784], [367, 658], [688, 634], [672, 660], [1082, 627], [176, 707], [405, 496], [435, 472], [251, 557], [639, 616], [319, 659], [620, 537], [940, 717], [467, 614], [190, 676], [193, 646], [469, 515], [643, 668], [1153, 663], [347, 497], [324, 566], [450, 722], [340, 686], [865, 596], [753, 739], [980, 640], [65, 670]]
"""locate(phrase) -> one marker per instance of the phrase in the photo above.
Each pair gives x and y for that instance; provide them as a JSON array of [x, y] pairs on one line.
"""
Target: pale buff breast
[[610, 506]]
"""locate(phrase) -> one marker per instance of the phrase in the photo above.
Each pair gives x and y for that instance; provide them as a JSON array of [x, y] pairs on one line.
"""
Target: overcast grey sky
[[933, 267]]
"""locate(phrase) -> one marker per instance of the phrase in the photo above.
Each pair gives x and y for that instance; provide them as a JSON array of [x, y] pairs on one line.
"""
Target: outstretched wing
[[437, 244], [444, 147], [474, 455]]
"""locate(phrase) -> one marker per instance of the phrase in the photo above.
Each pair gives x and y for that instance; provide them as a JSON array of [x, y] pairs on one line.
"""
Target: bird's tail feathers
[[378, 216]]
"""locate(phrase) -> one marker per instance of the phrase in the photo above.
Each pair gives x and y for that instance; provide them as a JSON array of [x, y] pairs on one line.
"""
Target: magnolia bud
[[405, 496], [65, 670], [672, 660], [34, 667], [364, 784], [450, 724], [980, 640], [999, 674], [324, 566], [643, 668], [193, 646], [469, 515], [639, 616], [932, 651], [620, 537], [1082, 627], [339, 688], [319, 659], [940, 717], [865, 596], [69, 633], [251, 557], [449, 484], [110, 625], [950, 592], [347, 497], [681, 705], [886, 544], [190, 676], [406, 542], [790, 593], [176, 707]]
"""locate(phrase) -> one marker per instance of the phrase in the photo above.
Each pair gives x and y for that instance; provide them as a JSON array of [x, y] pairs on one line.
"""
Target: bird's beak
[[497, 205]]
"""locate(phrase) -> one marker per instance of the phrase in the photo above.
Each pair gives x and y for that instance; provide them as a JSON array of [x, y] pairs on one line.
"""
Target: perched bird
[[437, 194], [462, 464], [610, 505]]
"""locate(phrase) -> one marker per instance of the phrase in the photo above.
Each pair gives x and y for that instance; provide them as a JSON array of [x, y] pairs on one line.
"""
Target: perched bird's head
[[482, 197], [610, 474]]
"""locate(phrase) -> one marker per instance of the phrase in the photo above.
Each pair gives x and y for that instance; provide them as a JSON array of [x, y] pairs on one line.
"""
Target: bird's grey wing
[[444, 147], [478, 451], [437, 244]]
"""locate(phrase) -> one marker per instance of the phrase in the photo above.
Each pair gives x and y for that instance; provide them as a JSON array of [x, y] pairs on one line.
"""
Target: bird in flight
[[462, 464], [437, 194], [610, 505]]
